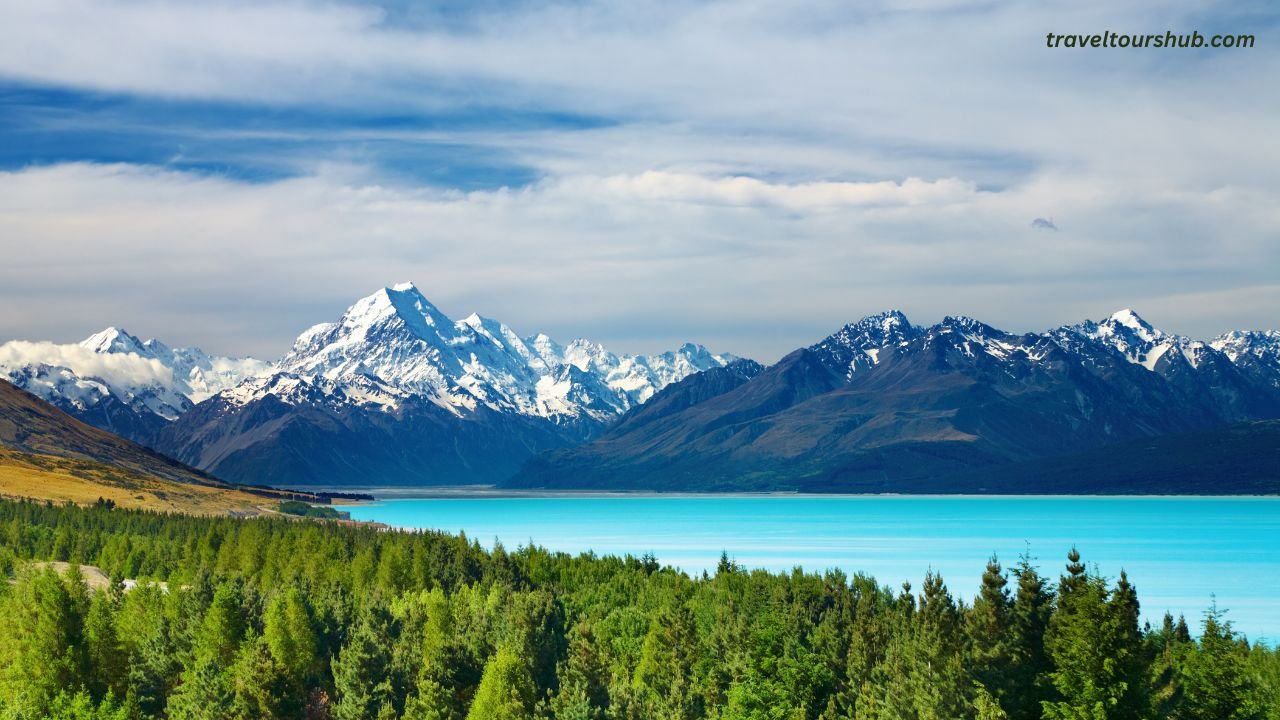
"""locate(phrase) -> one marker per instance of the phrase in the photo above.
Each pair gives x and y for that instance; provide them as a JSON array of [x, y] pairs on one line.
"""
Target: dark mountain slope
[[311, 438], [924, 406], [31, 425], [47, 454], [1243, 458]]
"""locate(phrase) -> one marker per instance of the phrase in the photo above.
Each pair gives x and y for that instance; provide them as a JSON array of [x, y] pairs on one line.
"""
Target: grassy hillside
[[28, 424], [46, 454], [48, 477]]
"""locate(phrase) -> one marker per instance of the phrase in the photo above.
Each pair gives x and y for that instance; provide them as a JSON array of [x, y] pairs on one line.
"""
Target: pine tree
[[223, 627], [41, 642], [1091, 643], [943, 643], [661, 681], [152, 664], [780, 680], [108, 665], [1264, 670], [80, 706], [506, 690], [360, 672], [989, 626], [435, 696], [534, 624], [726, 564], [1168, 650], [206, 692], [868, 638], [1128, 648], [1215, 676], [289, 633], [584, 680], [1029, 665], [985, 706], [261, 687], [922, 674]]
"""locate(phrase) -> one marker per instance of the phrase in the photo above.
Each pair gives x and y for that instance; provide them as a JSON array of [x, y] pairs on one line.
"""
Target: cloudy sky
[[745, 174]]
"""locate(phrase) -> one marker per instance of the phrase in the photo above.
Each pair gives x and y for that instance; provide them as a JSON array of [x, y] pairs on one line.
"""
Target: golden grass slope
[[29, 424], [60, 479], [46, 454]]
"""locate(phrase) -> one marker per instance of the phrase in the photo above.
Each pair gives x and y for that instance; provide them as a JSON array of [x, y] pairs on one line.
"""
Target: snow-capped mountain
[[395, 391], [857, 346], [1257, 354], [386, 349], [885, 406], [118, 382], [395, 343], [1235, 385], [196, 375], [1143, 344]]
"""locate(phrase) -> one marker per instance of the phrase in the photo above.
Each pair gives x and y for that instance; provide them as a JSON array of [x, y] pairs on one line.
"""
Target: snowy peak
[[297, 390], [401, 305], [501, 336], [1256, 353], [401, 339], [1127, 332], [860, 345], [1121, 327], [115, 340], [1134, 323], [287, 387], [395, 334], [1141, 343], [113, 369], [880, 330], [968, 327], [695, 354], [1257, 344], [964, 340]]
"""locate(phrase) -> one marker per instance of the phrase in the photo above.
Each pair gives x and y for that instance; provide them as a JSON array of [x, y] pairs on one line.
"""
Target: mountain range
[[886, 406], [396, 393], [119, 383]]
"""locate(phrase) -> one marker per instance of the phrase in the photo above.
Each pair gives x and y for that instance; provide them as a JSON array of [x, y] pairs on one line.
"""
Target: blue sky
[[748, 174], [256, 141]]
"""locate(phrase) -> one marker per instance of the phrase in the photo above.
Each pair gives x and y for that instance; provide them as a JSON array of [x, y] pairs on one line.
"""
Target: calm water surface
[[1178, 551]]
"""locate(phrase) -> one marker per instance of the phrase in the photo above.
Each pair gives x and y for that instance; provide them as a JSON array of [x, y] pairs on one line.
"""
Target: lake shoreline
[[1181, 550], [443, 492]]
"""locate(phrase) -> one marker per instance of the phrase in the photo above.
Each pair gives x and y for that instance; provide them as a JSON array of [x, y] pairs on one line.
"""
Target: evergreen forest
[[297, 618]]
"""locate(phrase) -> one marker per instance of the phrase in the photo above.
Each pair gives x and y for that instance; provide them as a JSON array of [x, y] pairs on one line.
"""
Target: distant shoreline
[[475, 492]]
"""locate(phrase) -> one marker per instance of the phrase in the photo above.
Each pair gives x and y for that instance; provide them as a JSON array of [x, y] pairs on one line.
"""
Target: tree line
[[270, 617]]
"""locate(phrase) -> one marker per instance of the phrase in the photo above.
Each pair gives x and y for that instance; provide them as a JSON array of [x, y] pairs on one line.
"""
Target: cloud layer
[[125, 370], [641, 262], [745, 174]]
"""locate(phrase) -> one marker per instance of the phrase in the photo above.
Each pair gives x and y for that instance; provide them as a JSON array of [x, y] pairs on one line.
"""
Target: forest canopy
[[270, 617]]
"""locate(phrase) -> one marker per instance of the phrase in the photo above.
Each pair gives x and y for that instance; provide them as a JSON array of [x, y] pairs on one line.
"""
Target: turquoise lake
[[1180, 552]]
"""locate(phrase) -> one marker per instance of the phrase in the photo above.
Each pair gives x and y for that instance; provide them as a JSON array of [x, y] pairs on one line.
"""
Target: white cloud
[[773, 170], [745, 191], [126, 370], [639, 262], [812, 91]]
